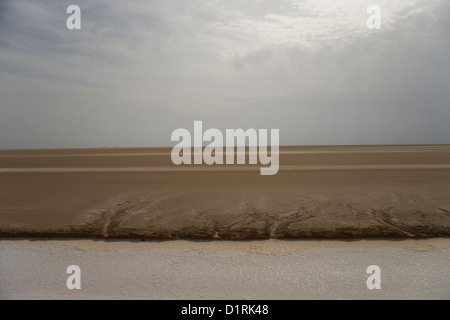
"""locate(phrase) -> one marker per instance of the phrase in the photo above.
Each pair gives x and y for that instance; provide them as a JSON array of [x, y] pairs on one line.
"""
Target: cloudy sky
[[137, 70]]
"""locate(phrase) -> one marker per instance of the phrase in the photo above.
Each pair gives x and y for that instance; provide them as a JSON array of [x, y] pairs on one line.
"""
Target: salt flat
[[268, 269]]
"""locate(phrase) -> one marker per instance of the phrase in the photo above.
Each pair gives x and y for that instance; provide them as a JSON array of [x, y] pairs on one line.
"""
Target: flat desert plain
[[318, 192], [348, 194]]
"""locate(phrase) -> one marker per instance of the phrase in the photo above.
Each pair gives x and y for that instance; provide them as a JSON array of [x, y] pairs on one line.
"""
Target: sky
[[138, 70]]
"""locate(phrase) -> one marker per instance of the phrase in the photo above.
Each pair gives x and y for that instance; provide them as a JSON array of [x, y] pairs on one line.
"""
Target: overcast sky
[[137, 70]]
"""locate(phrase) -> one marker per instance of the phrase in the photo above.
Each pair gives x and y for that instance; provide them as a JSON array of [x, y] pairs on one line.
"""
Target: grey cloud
[[135, 72]]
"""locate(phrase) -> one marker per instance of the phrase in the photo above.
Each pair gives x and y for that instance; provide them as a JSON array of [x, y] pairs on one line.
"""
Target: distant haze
[[137, 70]]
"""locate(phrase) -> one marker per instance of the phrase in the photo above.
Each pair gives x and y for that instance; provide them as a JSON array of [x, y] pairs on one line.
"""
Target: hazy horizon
[[137, 71]]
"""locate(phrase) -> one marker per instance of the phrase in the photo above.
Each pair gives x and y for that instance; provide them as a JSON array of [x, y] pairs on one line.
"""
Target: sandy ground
[[320, 192], [270, 269]]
